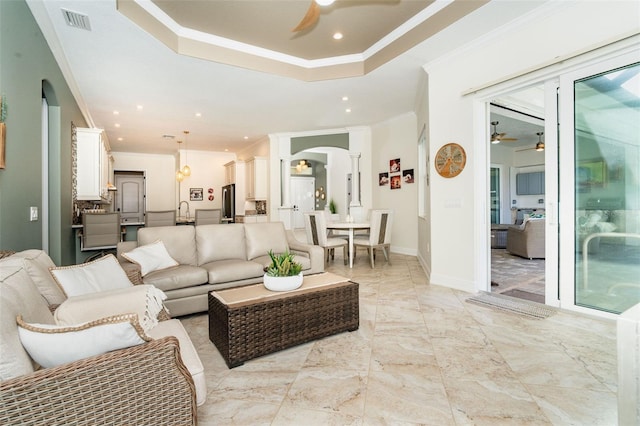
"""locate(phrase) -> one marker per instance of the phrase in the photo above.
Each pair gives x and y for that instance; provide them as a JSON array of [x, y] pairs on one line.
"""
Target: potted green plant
[[284, 273], [332, 207]]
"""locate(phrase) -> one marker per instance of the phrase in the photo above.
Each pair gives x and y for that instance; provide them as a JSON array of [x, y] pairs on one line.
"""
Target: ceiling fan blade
[[508, 139], [310, 18]]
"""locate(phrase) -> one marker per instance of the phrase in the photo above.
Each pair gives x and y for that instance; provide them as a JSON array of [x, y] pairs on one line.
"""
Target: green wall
[[27, 69]]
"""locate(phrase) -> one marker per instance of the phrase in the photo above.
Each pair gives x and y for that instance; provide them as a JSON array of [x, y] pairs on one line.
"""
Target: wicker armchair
[[527, 242], [142, 385]]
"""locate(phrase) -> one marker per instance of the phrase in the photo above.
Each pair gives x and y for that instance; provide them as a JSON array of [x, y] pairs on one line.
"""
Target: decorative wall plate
[[450, 160]]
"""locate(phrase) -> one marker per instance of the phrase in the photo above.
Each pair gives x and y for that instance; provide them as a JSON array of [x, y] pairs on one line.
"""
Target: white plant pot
[[282, 283]]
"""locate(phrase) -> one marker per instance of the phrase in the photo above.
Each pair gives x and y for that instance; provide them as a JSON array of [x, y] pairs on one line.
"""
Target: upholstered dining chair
[[315, 225], [379, 235], [160, 218], [208, 216], [100, 231]]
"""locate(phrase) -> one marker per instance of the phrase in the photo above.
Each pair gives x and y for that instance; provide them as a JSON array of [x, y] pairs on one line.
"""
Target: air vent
[[76, 20]]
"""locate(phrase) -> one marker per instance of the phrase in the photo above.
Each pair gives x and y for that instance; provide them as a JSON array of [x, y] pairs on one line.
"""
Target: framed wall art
[[196, 194]]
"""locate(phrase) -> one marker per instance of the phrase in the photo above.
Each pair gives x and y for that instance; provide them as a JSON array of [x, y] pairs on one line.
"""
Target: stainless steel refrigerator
[[229, 203]]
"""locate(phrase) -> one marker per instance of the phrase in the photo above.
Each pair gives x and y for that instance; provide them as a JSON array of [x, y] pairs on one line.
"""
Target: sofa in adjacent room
[[210, 257]]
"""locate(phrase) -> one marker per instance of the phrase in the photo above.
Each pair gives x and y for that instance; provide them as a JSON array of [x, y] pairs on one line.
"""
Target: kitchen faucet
[[180, 206]]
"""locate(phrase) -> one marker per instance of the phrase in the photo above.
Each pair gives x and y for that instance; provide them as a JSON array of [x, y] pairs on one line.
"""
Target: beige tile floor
[[422, 355]]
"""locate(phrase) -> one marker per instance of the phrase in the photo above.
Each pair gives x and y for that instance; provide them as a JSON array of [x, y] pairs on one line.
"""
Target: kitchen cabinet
[[92, 165], [530, 183], [256, 178], [260, 218], [231, 170]]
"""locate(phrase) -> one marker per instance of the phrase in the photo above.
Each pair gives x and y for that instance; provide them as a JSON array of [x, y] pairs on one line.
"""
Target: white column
[[355, 179], [286, 181]]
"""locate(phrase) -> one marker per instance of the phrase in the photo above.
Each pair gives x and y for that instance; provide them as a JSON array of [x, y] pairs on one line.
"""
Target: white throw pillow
[[52, 345], [151, 257], [144, 300], [100, 275]]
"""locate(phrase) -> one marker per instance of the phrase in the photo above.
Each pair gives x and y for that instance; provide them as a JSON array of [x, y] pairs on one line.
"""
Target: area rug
[[526, 295], [511, 304]]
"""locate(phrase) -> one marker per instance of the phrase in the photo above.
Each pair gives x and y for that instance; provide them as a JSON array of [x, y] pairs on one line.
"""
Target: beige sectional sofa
[[218, 256], [157, 380]]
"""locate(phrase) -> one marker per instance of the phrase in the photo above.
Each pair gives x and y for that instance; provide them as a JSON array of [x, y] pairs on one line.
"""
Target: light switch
[[33, 215]]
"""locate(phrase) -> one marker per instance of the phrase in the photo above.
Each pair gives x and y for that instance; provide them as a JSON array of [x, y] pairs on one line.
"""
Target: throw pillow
[[151, 257], [99, 275], [51, 345], [144, 300]]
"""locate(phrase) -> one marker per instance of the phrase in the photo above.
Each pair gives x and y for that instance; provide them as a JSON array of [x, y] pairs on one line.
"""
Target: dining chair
[[379, 235], [160, 218], [208, 216], [100, 231], [315, 225]]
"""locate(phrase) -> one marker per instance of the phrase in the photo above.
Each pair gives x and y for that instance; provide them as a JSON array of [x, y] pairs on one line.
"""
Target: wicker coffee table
[[248, 322]]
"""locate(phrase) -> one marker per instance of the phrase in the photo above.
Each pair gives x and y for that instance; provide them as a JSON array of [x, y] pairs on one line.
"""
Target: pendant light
[[540, 144], [186, 170], [179, 174]]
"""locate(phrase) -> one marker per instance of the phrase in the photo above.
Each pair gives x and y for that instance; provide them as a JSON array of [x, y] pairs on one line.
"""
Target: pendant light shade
[[186, 170], [179, 176]]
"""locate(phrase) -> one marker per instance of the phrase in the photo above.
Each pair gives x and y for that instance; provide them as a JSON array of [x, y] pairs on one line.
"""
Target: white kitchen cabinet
[[92, 171], [257, 178], [230, 172]]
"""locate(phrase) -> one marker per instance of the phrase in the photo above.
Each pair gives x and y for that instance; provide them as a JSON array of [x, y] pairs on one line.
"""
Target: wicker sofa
[[214, 257], [527, 241], [160, 381]]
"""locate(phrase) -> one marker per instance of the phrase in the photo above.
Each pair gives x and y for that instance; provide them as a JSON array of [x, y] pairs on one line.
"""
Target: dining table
[[351, 227]]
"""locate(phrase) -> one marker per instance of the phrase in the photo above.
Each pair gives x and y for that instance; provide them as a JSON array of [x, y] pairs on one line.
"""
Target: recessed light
[[117, 124], [120, 139], [198, 114], [246, 138], [139, 107], [116, 112], [345, 98], [347, 110], [226, 150], [337, 36]]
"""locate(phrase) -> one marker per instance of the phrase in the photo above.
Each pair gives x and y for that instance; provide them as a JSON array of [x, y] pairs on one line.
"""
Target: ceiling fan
[[312, 15], [499, 137], [539, 146]]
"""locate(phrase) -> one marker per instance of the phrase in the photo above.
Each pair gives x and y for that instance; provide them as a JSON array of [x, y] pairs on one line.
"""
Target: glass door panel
[[607, 189], [495, 194]]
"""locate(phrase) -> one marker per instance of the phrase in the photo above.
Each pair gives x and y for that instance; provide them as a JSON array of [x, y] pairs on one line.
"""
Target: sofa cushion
[[99, 275], [187, 352], [179, 241], [265, 261], [262, 237], [151, 257], [37, 264], [18, 296], [52, 345], [142, 300], [177, 277], [220, 242], [224, 271]]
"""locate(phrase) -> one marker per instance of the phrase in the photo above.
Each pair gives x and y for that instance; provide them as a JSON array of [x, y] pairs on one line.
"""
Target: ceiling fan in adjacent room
[[499, 137], [539, 146]]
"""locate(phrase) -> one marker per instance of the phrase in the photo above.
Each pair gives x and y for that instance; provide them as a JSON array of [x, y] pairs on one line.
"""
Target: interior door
[[302, 196], [130, 196]]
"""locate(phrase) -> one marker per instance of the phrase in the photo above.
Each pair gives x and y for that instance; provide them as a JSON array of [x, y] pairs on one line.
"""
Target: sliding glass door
[[600, 186]]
